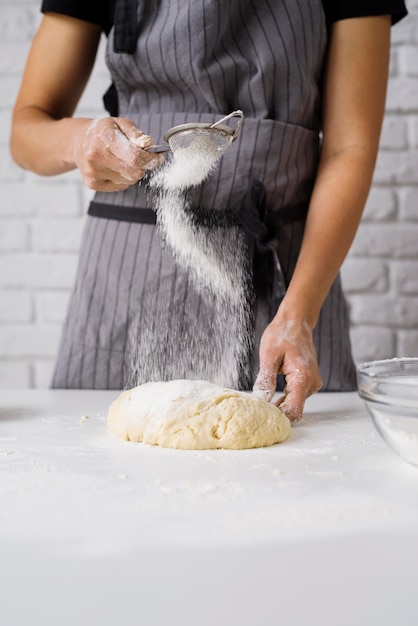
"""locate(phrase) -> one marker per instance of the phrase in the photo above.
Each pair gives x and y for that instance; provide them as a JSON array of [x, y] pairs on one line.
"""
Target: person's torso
[[197, 60]]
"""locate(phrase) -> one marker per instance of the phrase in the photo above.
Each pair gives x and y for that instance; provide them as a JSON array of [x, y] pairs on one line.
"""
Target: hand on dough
[[287, 348]]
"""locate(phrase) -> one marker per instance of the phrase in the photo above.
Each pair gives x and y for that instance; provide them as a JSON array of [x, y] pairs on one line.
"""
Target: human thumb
[[265, 385], [135, 136]]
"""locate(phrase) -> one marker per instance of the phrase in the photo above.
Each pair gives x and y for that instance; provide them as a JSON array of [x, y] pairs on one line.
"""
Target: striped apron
[[181, 61]]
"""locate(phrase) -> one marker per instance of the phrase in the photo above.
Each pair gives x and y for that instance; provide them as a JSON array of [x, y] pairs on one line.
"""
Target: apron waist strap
[[122, 213], [261, 230], [261, 224], [251, 217], [127, 15]]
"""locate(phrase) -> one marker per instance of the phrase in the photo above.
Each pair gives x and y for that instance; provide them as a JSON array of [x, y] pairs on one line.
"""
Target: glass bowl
[[389, 389]]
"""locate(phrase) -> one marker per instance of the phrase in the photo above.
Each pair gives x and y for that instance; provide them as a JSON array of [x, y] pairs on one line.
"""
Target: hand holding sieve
[[180, 137]]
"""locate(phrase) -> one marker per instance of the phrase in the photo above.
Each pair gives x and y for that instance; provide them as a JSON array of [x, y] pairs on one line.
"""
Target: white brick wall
[[41, 221]]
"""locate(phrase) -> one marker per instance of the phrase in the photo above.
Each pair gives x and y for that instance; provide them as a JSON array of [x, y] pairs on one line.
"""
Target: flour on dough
[[196, 415]]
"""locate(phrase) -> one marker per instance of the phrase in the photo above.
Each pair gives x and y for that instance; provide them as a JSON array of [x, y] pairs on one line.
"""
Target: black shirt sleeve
[[343, 9], [101, 11], [98, 12]]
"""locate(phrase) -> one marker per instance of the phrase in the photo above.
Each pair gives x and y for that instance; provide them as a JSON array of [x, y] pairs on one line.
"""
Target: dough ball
[[196, 415]]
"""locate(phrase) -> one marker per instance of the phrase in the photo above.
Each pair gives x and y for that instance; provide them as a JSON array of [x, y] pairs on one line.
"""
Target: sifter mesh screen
[[218, 139]]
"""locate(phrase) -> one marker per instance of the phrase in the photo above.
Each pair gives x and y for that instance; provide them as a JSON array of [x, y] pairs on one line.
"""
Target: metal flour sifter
[[219, 134]]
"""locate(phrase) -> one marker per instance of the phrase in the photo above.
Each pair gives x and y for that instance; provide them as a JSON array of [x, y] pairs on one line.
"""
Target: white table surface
[[320, 530]]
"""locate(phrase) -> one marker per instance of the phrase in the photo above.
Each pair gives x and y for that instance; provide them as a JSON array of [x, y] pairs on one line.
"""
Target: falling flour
[[190, 166], [217, 348]]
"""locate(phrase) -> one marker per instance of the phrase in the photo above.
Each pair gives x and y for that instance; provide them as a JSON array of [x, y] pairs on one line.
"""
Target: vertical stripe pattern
[[197, 60], [129, 323], [200, 59]]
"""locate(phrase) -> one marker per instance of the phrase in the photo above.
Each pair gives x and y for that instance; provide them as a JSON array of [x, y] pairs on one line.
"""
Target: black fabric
[[98, 12], [336, 10], [128, 14], [122, 213], [110, 101], [101, 11], [260, 227], [253, 216]]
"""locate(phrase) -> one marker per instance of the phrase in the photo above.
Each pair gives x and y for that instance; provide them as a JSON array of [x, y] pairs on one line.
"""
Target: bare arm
[[353, 107], [46, 138]]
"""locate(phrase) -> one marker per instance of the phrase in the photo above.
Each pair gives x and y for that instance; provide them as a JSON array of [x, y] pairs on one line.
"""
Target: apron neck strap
[[128, 14]]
